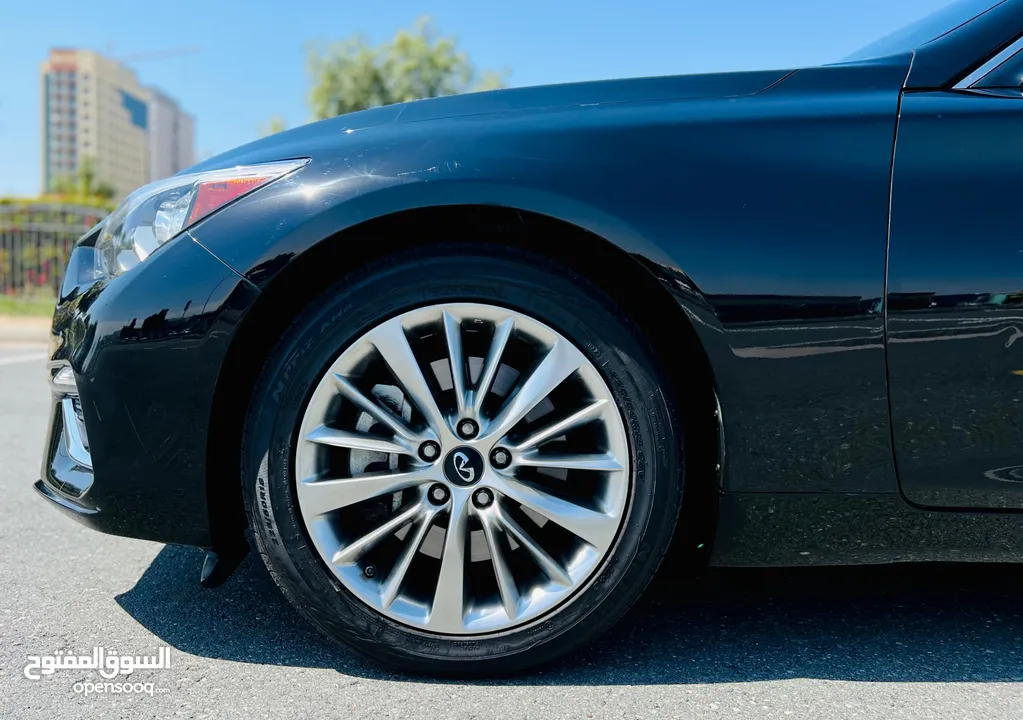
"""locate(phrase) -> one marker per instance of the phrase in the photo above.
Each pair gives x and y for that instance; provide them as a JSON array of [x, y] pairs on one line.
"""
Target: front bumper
[[126, 451]]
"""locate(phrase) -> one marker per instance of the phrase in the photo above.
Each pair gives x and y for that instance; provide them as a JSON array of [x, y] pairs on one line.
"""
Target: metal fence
[[35, 242]]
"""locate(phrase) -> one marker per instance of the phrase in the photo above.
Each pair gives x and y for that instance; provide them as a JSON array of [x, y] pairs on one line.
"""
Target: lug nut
[[500, 458], [482, 498], [369, 571], [467, 429], [438, 494], [429, 451]]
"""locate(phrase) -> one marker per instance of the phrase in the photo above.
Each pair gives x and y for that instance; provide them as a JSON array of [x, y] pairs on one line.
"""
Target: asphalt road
[[927, 641]]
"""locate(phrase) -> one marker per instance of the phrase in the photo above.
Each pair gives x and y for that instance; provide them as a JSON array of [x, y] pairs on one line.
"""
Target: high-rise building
[[95, 110], [171, 136]]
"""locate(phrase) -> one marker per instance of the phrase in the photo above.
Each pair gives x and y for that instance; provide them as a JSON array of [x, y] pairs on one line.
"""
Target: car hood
[[293, 143]]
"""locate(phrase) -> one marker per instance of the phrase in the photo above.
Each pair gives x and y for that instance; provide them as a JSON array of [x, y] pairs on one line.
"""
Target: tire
[[490, 276]]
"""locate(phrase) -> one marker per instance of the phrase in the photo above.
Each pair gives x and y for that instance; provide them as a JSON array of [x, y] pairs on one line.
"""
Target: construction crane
[[160, 54]]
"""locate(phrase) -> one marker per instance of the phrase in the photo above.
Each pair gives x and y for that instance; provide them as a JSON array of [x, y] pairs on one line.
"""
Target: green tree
[[82, 185], [86, 177], [275, 125], [418, 63], [105, 191], [63, 185]]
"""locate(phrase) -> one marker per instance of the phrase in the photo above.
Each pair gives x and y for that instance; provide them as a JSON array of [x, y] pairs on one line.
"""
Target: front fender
[[765, 214]]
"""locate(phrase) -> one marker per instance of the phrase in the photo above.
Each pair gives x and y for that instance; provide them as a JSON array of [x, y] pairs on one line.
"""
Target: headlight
[[154, 214]]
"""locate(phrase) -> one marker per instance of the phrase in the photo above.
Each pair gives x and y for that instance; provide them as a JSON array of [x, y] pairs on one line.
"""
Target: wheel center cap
[[463, 466]]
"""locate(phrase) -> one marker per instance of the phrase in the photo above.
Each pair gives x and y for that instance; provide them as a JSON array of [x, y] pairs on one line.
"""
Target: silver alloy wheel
[[462, 468]]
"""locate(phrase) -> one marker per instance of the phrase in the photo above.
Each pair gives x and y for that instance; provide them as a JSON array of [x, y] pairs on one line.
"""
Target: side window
[[1007, 75], [1004, 71]]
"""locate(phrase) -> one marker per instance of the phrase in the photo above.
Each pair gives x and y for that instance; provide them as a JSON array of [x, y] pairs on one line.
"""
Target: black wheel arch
[[659, 299]]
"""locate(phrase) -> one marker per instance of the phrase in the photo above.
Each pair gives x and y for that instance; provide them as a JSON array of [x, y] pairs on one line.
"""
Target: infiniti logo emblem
[[465, 471], [463, 466]]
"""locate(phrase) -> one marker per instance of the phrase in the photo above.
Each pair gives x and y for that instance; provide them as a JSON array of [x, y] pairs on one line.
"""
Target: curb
[[24, 329]]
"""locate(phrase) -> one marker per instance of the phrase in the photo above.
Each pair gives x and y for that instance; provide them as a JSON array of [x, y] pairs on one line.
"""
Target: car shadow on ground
[[922, 622]]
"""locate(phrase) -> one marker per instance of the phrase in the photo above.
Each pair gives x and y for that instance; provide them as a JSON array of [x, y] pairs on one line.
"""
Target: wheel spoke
[[413, 541], [357, 548], [505, 582], [492, 362], [598, 461], [594, 527], [561, 360], [381, 414], [390, 341], [453, 333], [324, 435], [551, 567], [576, 419], [448, 611], [321, 496], [379, 429]]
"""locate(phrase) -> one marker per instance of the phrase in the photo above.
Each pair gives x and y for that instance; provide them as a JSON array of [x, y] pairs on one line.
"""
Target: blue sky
[[251, 59]]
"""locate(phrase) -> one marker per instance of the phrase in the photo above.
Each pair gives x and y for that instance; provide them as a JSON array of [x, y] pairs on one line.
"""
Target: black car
[[464, 367]]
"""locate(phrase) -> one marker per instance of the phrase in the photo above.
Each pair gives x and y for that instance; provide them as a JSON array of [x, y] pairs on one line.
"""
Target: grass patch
[[28, 306]]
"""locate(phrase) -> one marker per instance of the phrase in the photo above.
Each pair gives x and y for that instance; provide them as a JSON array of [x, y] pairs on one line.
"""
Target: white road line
[[17, 359]]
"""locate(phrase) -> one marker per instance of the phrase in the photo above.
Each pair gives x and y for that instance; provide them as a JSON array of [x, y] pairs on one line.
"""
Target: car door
[[955, 291]]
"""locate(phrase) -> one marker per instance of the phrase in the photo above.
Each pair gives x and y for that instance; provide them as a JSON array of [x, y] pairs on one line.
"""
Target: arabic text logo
[[108, 664]]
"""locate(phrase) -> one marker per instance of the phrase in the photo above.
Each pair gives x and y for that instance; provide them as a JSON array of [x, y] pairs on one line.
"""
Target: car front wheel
[[462, 461]]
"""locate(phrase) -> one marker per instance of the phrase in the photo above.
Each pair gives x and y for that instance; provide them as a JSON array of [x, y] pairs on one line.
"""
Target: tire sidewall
[[537, 288]]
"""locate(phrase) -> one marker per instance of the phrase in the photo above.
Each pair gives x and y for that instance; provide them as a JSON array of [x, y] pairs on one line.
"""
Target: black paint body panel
[[789, 529], [946, 59], [759, 201], [147, 349], [955, 314], [770, 210]]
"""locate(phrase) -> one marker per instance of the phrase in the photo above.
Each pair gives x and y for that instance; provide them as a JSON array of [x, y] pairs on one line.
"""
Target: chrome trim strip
[[72, 437], [987, 68]]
